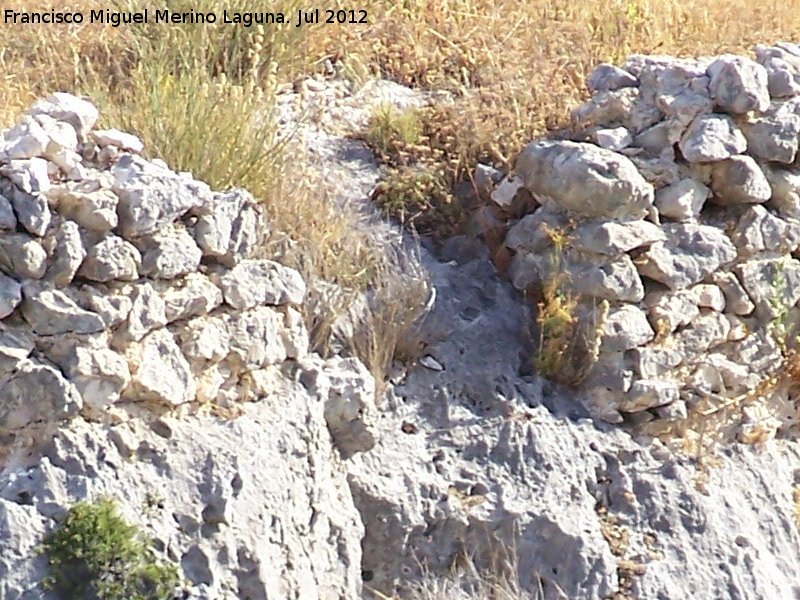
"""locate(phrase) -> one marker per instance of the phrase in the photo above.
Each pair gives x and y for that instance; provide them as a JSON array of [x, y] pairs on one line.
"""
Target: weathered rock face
[[705, 258], [128, 291], [235, 508]]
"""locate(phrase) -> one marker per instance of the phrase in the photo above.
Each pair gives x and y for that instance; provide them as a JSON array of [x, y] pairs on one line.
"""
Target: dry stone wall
[[124, 283], [673, 216]]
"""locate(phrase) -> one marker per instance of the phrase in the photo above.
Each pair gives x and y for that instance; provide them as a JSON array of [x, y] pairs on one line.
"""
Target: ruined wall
[[671, 216]]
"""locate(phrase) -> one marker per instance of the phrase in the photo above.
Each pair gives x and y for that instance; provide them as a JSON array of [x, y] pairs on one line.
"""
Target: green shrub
[[96, 554]]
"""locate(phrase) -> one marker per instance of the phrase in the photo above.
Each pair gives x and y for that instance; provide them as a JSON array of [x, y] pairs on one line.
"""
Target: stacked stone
[[676, 212], [124, 282]]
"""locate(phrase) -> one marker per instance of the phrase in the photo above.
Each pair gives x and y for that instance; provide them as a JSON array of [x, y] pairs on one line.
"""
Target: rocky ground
[[133, 305]]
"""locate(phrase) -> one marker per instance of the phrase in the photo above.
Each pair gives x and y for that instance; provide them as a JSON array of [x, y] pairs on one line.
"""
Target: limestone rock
[[147, 312], [670, 310], [205, 339], [68, 255], [608, 109], [111, 258], [711, 138], [26, 139], [229, 229], [691, 253], [614, 238], [29, 175], [115, 137], [8, 221], [585, 180], [626, 328], [758, 230], [159, 372], [773, 284], [682, 201], [739, 180], [254, 282], [736, 298], [169, 254], [10, 295], [149, 199], [98, 373], [614, 139], [51, 312], [95, 210], [193, 296], [36, 393], [782, 64], [653, 362], [606, 77], [773, 138], [738, 84], [79, 113]]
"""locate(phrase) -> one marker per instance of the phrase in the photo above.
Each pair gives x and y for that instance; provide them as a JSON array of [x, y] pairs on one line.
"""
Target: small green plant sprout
[[780, 328], [95, 554]]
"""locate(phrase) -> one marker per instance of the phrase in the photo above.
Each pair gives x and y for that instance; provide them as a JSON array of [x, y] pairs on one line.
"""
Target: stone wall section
[[673, 215]]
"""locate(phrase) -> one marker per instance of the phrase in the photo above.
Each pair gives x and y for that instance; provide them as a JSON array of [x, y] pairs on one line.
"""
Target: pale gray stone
[[670, 310], [169, 254], [348, 392], [254, 282], [503, 195], [773, 284], [193, 296], [79, 113], [691, 253], [229, 228], [21, 256], [26, 139], [205, 339], [111, 258], [736, 298], [7, 218], [782, 64], [711, 138], [758, 230], [608, 109], [150, 198], [649, 393], [10, 295], [99, 374], [51, 312], [68, 255], [758, 351], [534, 232], [32, 211], [255, 339], [585, 180], [706, 331], [146, 314], [29, 175], [626, 327], [159, 372], [113, 309], [738, 84], [614, 238], [606, 77], [36, 393], [614, 139], [652, 362], [611, 278], [115, 137], [682, 201], [707, 295], [486, 177], [773, 138], [95, 210]]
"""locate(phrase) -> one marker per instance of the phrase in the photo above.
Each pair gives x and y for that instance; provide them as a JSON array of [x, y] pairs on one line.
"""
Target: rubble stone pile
[[673, 216], [123, 282]]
